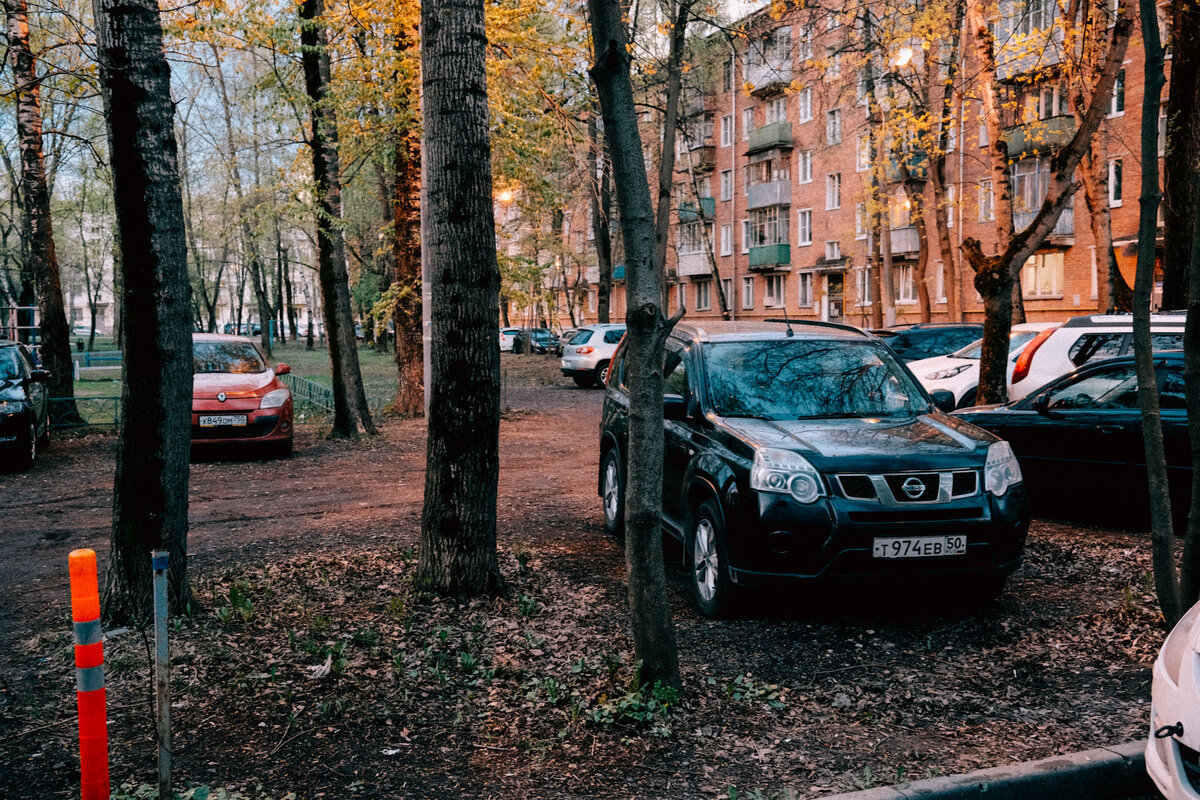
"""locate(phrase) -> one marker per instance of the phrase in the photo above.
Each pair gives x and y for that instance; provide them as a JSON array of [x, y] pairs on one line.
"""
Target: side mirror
[[674, 407], [1041, 404], [282, 369], [943, 399], [40, 375]]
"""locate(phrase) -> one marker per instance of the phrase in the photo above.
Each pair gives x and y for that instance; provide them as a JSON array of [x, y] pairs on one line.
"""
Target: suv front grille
[[858, 487], [907, 488], [914, 488]]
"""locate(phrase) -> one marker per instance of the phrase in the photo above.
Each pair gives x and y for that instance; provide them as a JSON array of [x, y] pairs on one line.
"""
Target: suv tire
[[707, 558], [602, 374], [612, 486]]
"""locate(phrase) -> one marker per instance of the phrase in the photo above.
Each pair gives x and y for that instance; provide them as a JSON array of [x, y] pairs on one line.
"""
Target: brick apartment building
[[778, 146]]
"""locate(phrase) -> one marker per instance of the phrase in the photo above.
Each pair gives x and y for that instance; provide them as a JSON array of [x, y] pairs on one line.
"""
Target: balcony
[[1064, 229], [701, 158], [777, 135], [775, 193], [905, 241], [773, 75], [690, 264], [689, 213], [1042, 137], [771, 257]]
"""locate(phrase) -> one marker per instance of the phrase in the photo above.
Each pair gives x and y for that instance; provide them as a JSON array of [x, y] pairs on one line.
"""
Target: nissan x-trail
[[806, 452]]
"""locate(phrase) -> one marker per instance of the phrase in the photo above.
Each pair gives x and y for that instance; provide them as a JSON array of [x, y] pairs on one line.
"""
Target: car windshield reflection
[[9, 368], [240, 358], [792, 379]]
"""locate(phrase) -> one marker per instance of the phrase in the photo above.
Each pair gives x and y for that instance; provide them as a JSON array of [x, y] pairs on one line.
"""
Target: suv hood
[[895, 441]]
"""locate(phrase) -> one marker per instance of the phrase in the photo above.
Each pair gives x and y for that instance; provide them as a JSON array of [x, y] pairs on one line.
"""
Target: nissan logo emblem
[[221, 399], [913, 487]]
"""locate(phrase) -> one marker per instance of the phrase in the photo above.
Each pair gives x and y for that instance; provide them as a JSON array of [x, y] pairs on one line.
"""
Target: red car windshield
[[239, 358]]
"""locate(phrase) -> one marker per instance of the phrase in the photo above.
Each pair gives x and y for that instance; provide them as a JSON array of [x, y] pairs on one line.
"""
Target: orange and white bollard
[[89, 676]]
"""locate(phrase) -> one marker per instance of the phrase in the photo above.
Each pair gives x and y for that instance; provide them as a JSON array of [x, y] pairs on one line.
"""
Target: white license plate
[[218, 420], [919, 547]]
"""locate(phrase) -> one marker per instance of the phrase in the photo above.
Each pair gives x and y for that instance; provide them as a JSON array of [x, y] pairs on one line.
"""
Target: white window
[[804, 293], [777, 110], [833, 126], [833, 190], [834, 21], [833, 63], [727, 184], [987, 209], [983, 135], [951, 137], [804, 114], [950, 206], [833, 250], [745, 236], [1032, 16], [1162, 132], [861, 225], [774, 296], [691, 237], [940, 273], [804, 227], [681, 294], [726, 130], [804, 47], [862, 148], [862, 285], [727, 290], [703, 295], [1042, 275], [726, 240], [804, 166], [1116, 106], [1114, 183], [769, 226], [592, 300], [747, 123], [906, 291], [747, 293]]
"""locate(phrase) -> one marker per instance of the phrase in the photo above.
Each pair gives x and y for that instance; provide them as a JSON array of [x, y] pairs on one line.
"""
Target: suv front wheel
[[708, 559], [613, 492]]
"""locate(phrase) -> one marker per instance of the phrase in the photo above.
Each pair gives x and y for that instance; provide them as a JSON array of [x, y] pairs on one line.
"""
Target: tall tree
[[35, 193], [349, 397], [150, 497], [647, 331], [458, 525]]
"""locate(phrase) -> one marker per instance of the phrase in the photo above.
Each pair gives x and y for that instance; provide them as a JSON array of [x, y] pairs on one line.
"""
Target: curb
[[1103, 774]]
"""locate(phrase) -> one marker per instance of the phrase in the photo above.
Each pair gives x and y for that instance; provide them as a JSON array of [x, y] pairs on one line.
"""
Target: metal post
[[162, 685]]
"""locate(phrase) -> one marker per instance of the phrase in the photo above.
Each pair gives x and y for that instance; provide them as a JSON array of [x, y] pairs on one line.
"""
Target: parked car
[[1079, 438], [563, 338], [507, 337], [1088, 338], [958, 373], [237, 396], [928, 339], [24, 406], [795, 459], [1173, 747], [586, 357], [534, 340]]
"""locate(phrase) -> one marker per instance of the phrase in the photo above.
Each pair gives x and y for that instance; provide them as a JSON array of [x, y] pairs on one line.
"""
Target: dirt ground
[[313, 667]]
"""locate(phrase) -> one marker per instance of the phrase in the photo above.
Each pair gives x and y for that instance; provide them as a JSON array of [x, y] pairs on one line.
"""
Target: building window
[[834, 21], [987, 209], [950, 206], [777, 110], [726, 240], [747, 123], [804, 47], [833, 65], [804, 166], [691, 237], [774, 296], [862, 285], [1162, 131], [1114, 183], [747, 293], [727, 184], [681, 294], [726, 130], [833, 250], [804, 114], [592, 301], [833, 190], [804, 293], [769, 226], [1116, 106], [833, 126], [804, 227], [861, 225], [951, 137], [1033, 16], [1042, 275], [703, 295], [906, 290], [983, 134], [727, 290], [745, 236], [862, 149]]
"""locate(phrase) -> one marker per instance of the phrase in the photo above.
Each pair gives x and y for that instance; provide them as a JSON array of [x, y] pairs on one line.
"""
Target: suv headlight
[[1001, 469], [948, 372], [275, 399], [786, 472]]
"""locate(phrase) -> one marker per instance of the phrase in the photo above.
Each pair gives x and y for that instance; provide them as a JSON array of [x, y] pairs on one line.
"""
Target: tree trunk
[[916, 197], [406, 223], [458, 526], [650, 614], [150, 496], [601, 202], [349, 398], [1181, 178], [38, 232]]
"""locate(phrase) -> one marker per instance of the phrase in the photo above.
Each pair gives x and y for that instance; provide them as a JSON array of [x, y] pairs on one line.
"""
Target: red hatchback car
[[237, 397]]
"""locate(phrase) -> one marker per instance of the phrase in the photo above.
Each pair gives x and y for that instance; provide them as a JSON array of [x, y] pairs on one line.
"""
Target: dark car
[[810, 453], [1079, 438], [926, 340], [24, 406], [535, 340]]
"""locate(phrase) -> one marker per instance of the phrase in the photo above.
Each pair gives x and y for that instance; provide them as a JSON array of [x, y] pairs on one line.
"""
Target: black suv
[[810, 452], [929, 339], [24, 406]]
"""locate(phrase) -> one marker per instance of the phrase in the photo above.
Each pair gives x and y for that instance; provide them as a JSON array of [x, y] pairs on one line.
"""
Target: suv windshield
[[1016, 340], [236, 357], [10, 368], [784, 379]]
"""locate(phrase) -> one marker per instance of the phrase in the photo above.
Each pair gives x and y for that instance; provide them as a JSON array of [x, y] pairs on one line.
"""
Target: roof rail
[[820, 324]]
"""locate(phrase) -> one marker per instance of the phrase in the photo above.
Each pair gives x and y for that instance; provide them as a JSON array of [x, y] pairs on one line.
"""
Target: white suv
[[585, 358], [1082, 339]]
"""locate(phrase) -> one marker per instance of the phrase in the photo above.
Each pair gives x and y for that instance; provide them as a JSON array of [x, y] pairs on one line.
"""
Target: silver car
[[585, 358]]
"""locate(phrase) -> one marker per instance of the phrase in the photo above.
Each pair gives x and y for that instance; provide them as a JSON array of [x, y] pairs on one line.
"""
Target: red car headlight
[[275, 399]]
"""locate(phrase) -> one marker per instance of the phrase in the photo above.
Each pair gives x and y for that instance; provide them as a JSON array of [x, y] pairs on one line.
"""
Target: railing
[[771, 256], [688, 212], [694, 264], [905, 240], [1039, 136], [770, 74], [777, 134], [1064, 227], [775, 193]]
